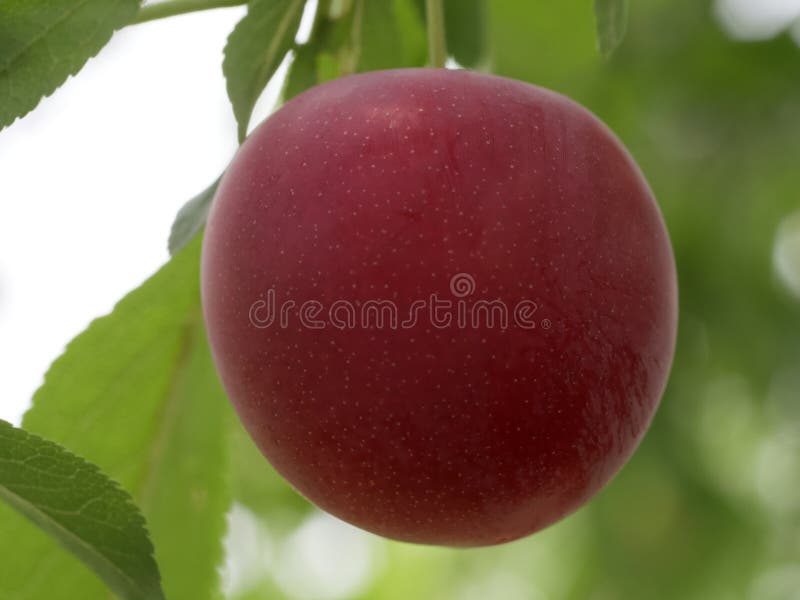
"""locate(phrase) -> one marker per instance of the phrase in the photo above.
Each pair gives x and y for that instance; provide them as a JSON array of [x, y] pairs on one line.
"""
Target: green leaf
[[391, 35], [466, 32], [328, 54], [42, 42], [260, 488], [254, 50], [336, 9], [612, 23], [136, 393], [302, 73], [328, 67], [81, 508], [191, 218], [362, 35]]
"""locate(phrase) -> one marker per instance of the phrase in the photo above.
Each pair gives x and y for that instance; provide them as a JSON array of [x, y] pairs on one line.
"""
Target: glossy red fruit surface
[[341, 231]]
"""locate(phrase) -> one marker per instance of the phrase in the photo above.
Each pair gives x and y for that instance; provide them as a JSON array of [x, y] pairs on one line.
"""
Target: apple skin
[[383, 186]]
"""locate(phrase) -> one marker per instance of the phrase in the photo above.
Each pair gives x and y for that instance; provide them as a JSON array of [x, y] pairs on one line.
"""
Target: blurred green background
[[709, 507]]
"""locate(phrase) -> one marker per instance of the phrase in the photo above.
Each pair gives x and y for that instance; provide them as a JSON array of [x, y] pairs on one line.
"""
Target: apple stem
[[170, 8], [437, 44]]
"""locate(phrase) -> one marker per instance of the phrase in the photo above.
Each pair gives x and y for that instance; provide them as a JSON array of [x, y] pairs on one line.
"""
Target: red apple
[[443, 303]]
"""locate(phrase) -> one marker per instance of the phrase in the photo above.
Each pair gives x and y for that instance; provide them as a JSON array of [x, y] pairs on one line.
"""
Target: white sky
[[91, 180], [90, 183]]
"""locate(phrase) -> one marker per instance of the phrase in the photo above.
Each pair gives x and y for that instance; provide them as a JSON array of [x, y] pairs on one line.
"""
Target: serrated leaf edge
[[42, 519], [6, 68]]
